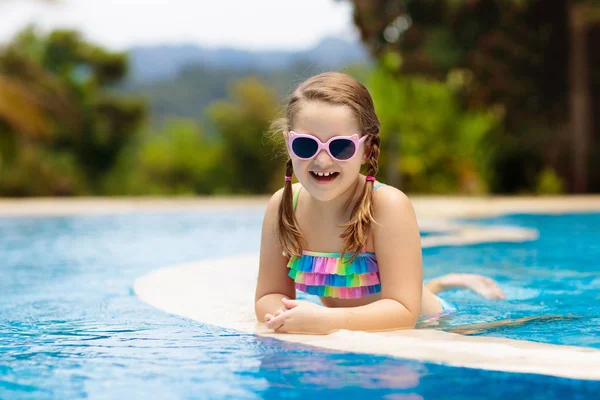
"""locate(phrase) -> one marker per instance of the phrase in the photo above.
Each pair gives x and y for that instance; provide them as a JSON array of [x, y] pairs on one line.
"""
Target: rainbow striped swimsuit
[[330, 275]]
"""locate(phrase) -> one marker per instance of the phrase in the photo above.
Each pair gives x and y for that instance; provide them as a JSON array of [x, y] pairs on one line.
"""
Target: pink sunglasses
[[341, 148]]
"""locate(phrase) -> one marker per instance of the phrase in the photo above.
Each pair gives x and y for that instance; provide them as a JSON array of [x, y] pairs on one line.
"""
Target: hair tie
[[370, 178], [288, 178]]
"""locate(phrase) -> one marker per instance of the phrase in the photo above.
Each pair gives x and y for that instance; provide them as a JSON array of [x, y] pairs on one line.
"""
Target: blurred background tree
[[72, 129], [242, 121], [442, 147], [474, 96], [530, 60], [178, 159]]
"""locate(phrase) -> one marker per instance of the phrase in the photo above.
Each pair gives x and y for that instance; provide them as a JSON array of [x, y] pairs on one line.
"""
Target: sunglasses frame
[[325, 146]]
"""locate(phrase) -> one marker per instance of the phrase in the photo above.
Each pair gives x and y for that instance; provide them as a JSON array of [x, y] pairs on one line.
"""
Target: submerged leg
[[479, 284], [474, 329]]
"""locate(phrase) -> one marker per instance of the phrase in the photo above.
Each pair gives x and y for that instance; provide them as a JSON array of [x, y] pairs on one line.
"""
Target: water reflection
[[295, 371]]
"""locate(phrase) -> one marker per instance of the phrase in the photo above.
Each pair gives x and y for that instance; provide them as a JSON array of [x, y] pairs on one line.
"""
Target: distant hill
[[181, 81], [149, 64]]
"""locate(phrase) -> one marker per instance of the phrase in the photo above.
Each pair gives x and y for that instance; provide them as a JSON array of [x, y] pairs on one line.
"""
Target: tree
[[61, 83], [178, 159], [517, 56], [581, 16], [249, 158], [443, 147]]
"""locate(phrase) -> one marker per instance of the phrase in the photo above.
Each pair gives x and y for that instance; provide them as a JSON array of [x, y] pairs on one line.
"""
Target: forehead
[[325, 120]]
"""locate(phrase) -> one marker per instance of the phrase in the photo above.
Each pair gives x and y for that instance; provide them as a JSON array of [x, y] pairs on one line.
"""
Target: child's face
[[324, 121]]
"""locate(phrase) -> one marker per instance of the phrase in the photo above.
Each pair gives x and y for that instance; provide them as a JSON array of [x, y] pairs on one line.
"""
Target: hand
[[284, 307], [300, 316], [275, 314]]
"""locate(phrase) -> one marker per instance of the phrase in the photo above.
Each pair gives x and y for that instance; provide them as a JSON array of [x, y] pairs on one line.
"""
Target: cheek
[[352, 168], [299, 165]]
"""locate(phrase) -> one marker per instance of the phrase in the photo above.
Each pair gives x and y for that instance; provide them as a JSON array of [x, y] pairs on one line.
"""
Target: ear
[[366, 154]]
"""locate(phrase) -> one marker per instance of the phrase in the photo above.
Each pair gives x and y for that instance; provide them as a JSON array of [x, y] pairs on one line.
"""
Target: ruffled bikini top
[[330, 275]]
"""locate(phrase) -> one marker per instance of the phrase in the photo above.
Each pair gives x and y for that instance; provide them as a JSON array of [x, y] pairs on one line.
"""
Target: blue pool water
[[71, 327], [555, 275]]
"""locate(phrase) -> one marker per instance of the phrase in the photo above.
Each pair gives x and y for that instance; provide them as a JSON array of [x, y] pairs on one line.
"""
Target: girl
[[331, 130]]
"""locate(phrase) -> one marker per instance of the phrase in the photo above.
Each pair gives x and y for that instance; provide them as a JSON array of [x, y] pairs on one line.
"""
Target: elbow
[[407, 317], [258, 310], [259, 313], [403, 322], [256, 315], [413, 317], [411, 322]]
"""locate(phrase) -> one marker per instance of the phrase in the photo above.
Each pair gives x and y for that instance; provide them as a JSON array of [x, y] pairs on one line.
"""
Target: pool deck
[[426, 206], [185, 290]]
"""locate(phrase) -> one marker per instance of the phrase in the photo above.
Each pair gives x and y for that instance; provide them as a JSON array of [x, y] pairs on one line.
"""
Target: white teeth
[[324, 173]]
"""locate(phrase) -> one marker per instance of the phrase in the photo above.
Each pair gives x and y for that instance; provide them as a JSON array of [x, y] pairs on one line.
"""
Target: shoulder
[[275, 200], [388, 198], [278, 195], [392, 208]]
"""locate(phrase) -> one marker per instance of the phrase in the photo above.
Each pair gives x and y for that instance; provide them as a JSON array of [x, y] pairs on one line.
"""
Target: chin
[[324, 192], [324, 196]]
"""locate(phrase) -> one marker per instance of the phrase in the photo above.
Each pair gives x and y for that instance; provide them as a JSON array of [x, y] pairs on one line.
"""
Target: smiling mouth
[[323, 177]]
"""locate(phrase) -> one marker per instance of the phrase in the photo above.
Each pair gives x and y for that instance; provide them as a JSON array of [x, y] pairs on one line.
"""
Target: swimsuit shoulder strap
[[378, 184], [296, 195]]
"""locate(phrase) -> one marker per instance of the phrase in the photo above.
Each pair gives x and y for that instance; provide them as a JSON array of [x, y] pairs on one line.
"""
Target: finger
[[276, 322], [268, 317], [289, 304], [278, 312]]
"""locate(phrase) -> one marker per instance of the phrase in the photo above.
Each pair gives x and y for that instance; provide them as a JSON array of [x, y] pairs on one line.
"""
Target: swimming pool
[[557, 275], [70, 326]]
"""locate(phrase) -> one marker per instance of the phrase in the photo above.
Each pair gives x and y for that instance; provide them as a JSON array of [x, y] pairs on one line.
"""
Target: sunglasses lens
[[342, 149], [304, 147]]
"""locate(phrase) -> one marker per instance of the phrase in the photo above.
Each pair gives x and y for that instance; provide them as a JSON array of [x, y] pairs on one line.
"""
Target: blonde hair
[[338, 89]]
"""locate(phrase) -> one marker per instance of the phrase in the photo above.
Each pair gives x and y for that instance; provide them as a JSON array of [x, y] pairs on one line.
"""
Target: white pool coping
[[221, 292], [426, 206]]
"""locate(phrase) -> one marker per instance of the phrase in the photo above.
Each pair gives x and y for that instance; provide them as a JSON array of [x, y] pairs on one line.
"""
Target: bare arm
[[398, 249], [273, 282]]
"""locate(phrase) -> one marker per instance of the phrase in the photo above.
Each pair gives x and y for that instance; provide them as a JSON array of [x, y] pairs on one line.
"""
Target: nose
[[323, 160]]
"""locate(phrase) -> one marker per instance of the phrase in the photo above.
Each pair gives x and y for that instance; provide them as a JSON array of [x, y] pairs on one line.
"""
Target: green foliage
[[249, 157], [38, 172], [177, 160], [549, 183], [65, 131], [441, 147], [181, 159], [466, 100], [66, 117], [519, 57]]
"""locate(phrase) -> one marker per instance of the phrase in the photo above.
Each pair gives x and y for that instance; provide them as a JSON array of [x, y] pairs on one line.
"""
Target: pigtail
[[361, 220], [290, 235]]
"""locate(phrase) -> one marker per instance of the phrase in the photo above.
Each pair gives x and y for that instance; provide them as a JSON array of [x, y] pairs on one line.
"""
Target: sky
[[245, 24]]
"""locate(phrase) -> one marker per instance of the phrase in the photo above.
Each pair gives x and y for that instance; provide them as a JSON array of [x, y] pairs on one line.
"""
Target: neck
[[337, 207]]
